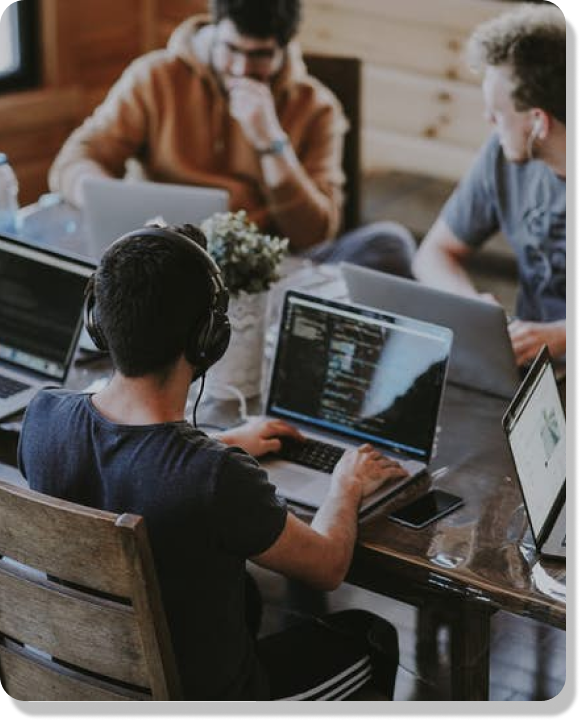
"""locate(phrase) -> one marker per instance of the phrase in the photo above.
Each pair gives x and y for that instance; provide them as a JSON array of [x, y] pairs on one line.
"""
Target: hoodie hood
[[194, 49]]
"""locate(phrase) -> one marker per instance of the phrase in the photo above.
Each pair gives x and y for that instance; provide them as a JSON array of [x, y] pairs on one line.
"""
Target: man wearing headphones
[[158, 304], [518, 183]]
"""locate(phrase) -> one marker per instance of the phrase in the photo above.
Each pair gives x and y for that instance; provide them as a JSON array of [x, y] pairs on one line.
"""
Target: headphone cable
[[201, 387]]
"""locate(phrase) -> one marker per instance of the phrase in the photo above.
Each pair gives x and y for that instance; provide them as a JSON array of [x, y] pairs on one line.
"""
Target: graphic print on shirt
[[544, 242]]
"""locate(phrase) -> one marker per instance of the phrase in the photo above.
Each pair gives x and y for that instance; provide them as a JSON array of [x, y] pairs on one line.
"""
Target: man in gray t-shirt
[[518, 182]]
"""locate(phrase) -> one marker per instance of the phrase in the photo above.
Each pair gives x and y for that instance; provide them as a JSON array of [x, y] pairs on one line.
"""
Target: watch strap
[[276, 147]]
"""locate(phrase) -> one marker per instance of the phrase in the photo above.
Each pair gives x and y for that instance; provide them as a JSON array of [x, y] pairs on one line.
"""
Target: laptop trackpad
[[297, 483]]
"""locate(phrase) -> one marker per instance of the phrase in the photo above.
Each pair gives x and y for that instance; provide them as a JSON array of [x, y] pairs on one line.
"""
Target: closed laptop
[[482, 357]]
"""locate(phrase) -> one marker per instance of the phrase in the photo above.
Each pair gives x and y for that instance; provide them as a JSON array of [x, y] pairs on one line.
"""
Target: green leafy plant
[[248, 259]]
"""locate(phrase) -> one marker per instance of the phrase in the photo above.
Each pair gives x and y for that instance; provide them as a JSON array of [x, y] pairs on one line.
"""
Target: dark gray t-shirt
[[207, 508], [527, 202]]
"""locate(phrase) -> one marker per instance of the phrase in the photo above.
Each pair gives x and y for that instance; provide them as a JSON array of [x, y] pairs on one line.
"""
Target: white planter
[[241, 366]]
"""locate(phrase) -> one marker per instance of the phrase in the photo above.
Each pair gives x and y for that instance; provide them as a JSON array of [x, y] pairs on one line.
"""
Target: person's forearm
[[337, 520], [557, 342], [443, 272], [68, 180], [302, 212]]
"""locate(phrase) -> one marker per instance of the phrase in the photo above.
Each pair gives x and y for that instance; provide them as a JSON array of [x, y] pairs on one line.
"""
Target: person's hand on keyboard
[[366, 469], [259, 437]]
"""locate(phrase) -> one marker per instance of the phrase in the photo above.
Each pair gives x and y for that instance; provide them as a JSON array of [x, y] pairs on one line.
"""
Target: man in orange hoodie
[[229, 103]]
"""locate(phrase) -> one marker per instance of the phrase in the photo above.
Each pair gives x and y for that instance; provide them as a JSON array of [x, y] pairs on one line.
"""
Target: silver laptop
[[115, 207], [41, 310], [535, 426], [348, 375], [482, 356]]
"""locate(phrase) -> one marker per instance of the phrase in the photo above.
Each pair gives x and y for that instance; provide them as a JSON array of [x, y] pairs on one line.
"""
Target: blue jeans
[[385, 246]]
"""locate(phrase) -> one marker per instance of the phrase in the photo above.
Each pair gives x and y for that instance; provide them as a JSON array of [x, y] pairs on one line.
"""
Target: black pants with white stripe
[[331, 657]]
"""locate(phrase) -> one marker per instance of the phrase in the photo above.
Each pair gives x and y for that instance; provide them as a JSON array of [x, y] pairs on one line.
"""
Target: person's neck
[[146, 400], [554, 153]]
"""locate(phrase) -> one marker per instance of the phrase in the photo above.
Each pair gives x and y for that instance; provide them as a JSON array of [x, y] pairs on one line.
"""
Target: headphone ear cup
[[209, 343], [90, 318], [220, 340]]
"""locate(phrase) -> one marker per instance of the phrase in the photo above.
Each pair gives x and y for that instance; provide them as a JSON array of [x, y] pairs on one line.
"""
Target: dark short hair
[[531, 41], [151, 295], [261, 18]]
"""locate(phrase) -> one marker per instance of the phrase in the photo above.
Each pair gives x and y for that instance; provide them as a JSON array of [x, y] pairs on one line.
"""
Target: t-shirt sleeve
[[28, 435], [471, 212], [249, 514]]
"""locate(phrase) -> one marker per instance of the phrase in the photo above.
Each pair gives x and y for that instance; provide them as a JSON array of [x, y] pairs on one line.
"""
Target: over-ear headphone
[[209, 339]]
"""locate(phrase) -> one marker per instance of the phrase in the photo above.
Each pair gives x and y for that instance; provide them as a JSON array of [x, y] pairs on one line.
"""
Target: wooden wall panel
[[383, 41], [388, 150], [169, 13], [420, 104], [424, 107], [86, 45]]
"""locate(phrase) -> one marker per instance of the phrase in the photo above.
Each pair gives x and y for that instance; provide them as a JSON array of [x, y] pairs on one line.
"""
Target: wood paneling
[[421, 106], [382, 150], [169, 13], [86, 46]]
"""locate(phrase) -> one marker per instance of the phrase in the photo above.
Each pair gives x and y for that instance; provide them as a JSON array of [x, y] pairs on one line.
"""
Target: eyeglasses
[[258, 57]]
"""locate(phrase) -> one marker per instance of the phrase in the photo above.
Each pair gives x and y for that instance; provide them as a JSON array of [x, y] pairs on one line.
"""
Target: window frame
[[27, 75]]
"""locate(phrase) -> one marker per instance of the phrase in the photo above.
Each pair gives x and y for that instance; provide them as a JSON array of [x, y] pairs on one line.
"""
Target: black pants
[[385, 246], [326, 658], [331, 657]]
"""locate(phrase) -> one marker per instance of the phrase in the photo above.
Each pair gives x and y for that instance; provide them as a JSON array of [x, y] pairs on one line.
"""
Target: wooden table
[[479, 559], [463, 568]]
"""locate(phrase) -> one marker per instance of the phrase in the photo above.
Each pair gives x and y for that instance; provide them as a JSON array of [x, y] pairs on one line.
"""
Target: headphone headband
[[209, 339], [170, 234]]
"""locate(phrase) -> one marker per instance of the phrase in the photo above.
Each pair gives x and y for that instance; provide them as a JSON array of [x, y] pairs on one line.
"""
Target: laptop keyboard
[[9, 387], [311, 453]]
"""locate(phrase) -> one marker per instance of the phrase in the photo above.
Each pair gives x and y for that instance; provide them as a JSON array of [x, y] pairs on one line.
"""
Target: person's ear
[[539, 125]]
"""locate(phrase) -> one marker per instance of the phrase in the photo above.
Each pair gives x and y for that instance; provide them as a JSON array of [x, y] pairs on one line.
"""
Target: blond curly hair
[[531, 42]]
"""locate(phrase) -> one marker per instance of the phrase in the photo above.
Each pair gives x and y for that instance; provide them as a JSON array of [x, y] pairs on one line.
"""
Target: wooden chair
[[342, 75], [81, 616]]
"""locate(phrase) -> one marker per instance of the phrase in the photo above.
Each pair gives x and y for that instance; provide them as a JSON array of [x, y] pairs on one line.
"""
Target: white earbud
[[533, 136]]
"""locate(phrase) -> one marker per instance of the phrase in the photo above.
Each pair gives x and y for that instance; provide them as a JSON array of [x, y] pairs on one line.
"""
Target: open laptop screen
[[41, 300], [360, 373], [536, 430]]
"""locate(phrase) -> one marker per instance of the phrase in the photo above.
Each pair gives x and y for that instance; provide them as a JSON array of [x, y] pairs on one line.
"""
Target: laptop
[[114, 207], [482, 356], [535, 426], [348, 375], [41, 311]]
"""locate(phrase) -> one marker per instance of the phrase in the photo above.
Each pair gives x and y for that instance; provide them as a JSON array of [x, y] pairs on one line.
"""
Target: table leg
[[470, 652]]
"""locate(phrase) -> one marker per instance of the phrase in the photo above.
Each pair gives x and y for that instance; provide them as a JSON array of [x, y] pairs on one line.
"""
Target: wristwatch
[[276, 147]]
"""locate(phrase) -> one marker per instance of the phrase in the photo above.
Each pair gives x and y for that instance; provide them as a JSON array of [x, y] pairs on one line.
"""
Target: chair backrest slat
[[39, 541], [79, 587], [26, 677], [99, 635]]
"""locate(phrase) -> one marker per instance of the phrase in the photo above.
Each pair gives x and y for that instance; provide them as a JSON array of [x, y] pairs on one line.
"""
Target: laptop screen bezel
[[541, 364], [67, 262], [442, 332]]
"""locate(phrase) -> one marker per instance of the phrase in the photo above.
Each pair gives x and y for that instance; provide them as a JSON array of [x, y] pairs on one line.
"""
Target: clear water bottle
[[8, 197]]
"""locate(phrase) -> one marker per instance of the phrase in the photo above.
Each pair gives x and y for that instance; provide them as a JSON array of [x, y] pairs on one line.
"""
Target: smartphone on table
[[426, 509]]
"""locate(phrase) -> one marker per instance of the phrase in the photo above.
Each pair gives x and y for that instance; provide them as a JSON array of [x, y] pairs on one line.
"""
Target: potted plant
[[249, 262]]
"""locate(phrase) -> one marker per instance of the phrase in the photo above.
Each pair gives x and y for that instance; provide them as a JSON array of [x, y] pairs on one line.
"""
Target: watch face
[[276, 147]]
